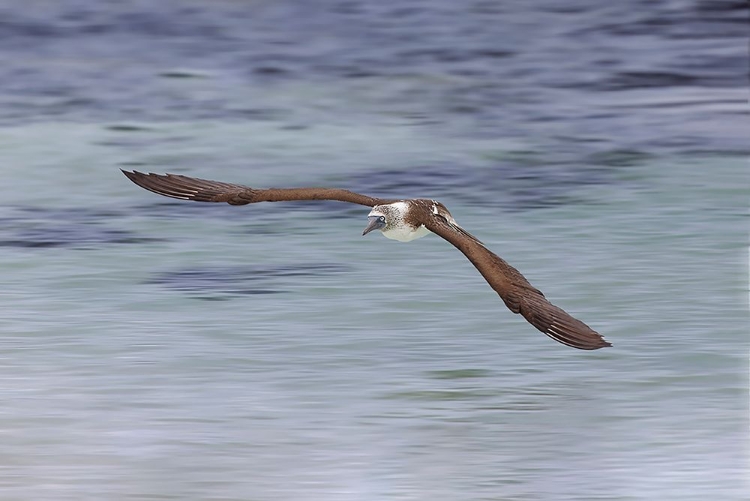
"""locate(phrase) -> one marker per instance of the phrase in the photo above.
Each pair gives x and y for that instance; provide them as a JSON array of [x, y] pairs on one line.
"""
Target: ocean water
[[157, 349]]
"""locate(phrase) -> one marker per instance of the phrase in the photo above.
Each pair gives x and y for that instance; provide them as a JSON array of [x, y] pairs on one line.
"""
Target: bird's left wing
[[515, 291]]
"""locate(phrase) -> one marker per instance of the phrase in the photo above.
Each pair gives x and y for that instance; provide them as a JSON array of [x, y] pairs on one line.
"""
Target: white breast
[[404, 233]]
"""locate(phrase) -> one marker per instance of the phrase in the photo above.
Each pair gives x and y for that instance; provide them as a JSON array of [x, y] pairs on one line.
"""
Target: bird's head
[[378, 219], [393, 221]]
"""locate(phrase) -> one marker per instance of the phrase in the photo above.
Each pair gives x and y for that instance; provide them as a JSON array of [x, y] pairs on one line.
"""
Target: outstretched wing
[[203, 190], [516, 292]]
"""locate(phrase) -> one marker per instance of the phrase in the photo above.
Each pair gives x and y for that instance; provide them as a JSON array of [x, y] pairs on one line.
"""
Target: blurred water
[[153, 349]]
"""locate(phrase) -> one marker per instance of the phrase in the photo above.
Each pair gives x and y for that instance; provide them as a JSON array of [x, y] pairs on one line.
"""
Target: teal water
[[155, 349]]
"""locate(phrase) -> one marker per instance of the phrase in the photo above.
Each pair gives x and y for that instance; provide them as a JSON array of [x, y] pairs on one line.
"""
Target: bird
[[401, 220]]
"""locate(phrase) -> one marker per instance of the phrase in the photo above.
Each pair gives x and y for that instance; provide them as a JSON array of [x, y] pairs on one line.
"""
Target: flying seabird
[[401, 220]]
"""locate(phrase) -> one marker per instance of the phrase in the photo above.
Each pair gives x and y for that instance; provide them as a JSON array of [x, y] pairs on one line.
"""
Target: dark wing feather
[[203, 190], [516, 292]]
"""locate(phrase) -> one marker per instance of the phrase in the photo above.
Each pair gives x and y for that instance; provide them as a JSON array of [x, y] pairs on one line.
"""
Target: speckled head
[[393, 221]]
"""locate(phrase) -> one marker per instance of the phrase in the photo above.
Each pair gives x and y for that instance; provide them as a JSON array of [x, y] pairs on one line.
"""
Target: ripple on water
[[224, 282], [76, 228], [460, 373], [506, 186]]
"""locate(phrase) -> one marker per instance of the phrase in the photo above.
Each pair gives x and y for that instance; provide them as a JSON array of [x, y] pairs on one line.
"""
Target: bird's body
[[401, 224], [402, 220]]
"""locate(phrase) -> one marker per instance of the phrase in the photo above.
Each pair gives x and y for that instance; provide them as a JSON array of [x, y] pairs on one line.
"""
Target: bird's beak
[[374, 224]]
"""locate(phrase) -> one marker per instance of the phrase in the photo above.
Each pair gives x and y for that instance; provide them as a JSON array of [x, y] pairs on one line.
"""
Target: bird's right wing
[[516, 292], [203, 190]]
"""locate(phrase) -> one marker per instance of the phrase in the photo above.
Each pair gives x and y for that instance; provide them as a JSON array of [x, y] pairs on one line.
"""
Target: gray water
[[154, 349]]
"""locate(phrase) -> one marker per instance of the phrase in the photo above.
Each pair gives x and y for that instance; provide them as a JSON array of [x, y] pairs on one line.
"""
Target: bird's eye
[[382, 219]]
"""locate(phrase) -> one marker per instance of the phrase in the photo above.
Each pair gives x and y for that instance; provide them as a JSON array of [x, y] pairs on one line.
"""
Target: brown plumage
[[202, 190], [412, 215]]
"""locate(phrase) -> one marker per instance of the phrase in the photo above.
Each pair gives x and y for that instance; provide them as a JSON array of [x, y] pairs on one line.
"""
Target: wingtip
[[585, 346], [568, 330], [132, 175], [602, 344], [589, 344]]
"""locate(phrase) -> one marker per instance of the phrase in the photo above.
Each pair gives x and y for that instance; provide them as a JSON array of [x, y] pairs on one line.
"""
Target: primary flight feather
[[402, 220]]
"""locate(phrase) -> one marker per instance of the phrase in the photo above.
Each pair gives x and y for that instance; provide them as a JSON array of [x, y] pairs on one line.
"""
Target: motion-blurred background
[[152, 349]]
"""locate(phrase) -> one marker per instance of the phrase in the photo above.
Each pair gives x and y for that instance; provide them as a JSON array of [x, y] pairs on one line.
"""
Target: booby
[[402, 220]]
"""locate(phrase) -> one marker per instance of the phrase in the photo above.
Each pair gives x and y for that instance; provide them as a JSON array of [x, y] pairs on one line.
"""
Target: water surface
[[153, 349]]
